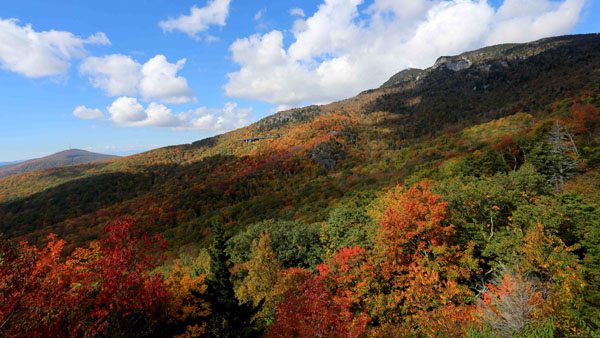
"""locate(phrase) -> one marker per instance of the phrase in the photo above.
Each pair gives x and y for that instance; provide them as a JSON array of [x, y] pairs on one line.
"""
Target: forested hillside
[[459, 200]]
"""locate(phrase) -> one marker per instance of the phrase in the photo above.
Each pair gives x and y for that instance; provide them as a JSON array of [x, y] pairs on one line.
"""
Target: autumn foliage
[[584, 118], [416, 277], [412, 281], [98, 290], [417, 280], [187, 307], [35, 292], [116, 272], [310, 310]]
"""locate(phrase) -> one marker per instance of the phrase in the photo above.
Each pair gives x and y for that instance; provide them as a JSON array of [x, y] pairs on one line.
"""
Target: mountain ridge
[[59, 159], [9, 163]]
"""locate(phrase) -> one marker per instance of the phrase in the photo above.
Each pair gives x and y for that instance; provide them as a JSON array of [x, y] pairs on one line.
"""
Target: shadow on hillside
[[87, 195], [446, 99], [75, 170]]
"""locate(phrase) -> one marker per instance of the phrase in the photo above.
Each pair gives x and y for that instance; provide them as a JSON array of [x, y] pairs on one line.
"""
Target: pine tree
[[229, 318], [552, 158]]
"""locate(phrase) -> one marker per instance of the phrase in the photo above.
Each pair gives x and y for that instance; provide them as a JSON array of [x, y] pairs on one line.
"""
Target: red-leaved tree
[[585, 118], [104, 289], [36, 297], [120, 292], [311, 310]]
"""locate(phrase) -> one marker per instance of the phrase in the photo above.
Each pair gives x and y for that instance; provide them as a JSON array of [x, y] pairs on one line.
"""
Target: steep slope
[[297, 164], [493, 82], [60, 159]]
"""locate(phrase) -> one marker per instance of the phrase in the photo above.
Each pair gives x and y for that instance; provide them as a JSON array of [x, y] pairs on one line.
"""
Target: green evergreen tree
[[229, 317], [591, 270], [552, 157]]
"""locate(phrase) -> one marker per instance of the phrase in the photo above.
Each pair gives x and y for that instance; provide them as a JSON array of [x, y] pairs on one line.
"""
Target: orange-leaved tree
[[188, 308], [423, 274]]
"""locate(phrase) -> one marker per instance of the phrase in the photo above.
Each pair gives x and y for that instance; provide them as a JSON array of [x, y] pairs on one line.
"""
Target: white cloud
[[404, 9], [156, 79], [211, 38], [99, 39], [229, 117], [85, 113], [200, 18], [297, 12], [160, 81], [540, 18], [37, 54], [116, 74], [341, 50], [158, 115], [128, 112], [330, 30], [268, 73], [258, 15]]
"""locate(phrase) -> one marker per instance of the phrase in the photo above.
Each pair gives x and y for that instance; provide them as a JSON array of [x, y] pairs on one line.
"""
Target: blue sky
[[243, 60]]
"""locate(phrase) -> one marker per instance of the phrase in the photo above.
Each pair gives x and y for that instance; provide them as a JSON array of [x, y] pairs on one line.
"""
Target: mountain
[[429, 206], [298, 164], [8, 163], [60, 159]]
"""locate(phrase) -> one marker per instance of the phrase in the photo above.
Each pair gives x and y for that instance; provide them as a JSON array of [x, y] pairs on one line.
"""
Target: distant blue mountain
[[61, 159], [9, 163]]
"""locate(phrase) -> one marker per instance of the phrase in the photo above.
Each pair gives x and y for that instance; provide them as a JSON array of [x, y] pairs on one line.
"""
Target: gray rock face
[[453, 64], [286, 117], [327, 154], [459, 65]]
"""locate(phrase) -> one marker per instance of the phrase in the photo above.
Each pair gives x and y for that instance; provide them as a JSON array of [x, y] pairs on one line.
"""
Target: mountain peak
[[482, 56], [59, 159]]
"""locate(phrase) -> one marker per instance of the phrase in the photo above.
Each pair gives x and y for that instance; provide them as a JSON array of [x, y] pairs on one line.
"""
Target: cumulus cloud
[[45, 53], [218, 120], [297, 12], [527, 20], [346, 47], [128, 112], [156, 79], [85, 113], [115, 74], [200, 18], [160, 81]]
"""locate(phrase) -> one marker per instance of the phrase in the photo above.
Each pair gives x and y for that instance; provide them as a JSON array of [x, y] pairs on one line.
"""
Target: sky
[[121, 77]]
